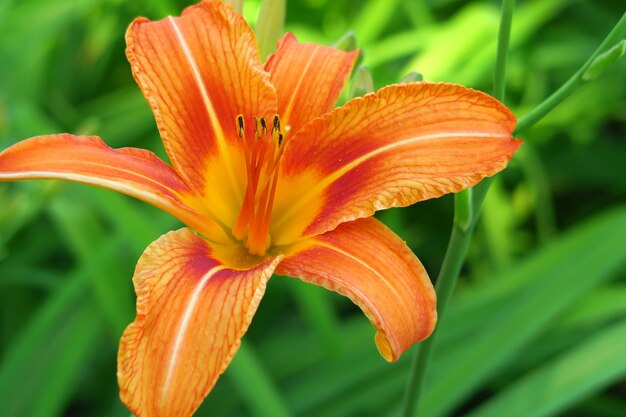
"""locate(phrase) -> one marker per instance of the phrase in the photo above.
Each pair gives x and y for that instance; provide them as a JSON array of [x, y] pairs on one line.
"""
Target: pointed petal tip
[[89, 160], [308, 78], [400, 145], [195, 102]]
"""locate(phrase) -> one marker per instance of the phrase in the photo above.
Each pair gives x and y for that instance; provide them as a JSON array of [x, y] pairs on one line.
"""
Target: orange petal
[[198, 72], [404, 144], [192, 311], [87, 159], [308, 79], [368, 263]]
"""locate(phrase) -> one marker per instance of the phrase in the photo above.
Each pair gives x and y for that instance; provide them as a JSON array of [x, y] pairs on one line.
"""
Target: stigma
[[262, 153]]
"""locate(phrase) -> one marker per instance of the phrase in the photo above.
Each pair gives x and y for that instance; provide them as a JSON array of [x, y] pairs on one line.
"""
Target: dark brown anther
[[280, 139], [276, 125], [240, 126], [257, 127], [264, 126]]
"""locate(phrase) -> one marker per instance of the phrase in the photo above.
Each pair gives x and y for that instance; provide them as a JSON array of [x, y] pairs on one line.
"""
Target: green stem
[[461, 238], [504, 35], [617, 34], [455, 254], [464, 223]]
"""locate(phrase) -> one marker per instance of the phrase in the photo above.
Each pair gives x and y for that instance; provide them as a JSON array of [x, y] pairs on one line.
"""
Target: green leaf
[[21, 207], [73, 345], [315, 306], [496, 318], [562, 382], [54, 347], [396, 46], [83, 233], [517, 306], [249, 376], [592, 314], [605, 303], [439, 60], [373, 19]]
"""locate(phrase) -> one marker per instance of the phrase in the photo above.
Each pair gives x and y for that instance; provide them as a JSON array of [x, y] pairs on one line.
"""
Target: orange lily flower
[[271, 179]]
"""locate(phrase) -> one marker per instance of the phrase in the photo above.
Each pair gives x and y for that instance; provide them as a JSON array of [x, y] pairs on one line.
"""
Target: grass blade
[[563, 382]]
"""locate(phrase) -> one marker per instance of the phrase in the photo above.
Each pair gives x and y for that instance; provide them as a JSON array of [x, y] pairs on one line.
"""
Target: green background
[[537, 326]]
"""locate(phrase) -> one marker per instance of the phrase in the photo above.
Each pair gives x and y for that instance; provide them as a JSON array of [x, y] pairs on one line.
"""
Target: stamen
[[264, 125], [262, 157], [257, 127], [239, 229], [240, 126], [275, 124]]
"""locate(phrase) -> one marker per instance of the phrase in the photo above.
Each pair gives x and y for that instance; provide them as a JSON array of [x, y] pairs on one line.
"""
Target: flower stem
[[465, 217], [617, 34], [455, 254], [461, 236], [504, 35]]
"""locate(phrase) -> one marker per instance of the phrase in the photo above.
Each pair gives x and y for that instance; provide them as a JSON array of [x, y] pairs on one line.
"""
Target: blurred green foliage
[[537, 326]]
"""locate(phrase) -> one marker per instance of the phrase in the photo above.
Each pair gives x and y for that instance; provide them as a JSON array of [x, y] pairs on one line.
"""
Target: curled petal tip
[[368, 263], [384, 347]]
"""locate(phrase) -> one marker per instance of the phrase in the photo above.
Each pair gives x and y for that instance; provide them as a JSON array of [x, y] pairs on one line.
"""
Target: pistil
[[262, 155]]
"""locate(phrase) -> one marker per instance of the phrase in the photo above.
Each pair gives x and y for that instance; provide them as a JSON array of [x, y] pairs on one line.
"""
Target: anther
[[240, 126], [262, 158], [276, 125], [257, 127]]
